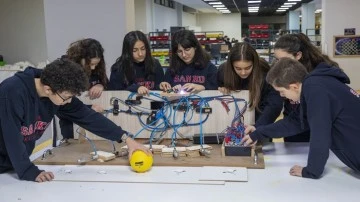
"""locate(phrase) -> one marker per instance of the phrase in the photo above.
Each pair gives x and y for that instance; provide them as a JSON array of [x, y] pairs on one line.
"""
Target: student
[[299, 47], [90, 54], [190, 67], [245, 70], [28, 102], [136, 70], [329, 107]]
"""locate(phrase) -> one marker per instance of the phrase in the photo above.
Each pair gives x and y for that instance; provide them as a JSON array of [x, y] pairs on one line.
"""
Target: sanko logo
[[139, 163]]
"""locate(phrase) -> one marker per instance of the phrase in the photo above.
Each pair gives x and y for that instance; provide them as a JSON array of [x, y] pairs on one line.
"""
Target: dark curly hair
[[88, 49], [65, 75]]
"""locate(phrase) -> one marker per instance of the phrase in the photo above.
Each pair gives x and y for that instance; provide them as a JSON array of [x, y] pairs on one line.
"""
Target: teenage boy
[[329, 108], [28, 102]]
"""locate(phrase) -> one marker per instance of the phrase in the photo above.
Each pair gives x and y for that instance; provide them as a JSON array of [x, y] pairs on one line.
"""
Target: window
[[166, 3]]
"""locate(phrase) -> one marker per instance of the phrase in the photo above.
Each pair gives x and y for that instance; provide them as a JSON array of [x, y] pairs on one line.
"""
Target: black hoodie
[[331, 110], [24, 116], [192, 74], [152, 82]]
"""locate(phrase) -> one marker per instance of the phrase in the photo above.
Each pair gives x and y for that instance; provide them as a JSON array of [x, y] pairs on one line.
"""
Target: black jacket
[[191, 74], [152, 82], [24, 116]]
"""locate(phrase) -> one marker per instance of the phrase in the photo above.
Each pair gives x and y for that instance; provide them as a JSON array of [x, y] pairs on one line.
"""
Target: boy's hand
[[249, 129], [247, 141], [133, 146], [44, 176], [296, 170]]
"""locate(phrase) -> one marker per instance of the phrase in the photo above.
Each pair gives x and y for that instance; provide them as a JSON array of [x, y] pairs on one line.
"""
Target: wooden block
[[171, 149], [198, 147], [104, 156], [174, 96]]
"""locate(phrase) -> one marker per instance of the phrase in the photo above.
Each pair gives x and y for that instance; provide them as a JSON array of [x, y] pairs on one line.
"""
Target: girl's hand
[[95, 91]]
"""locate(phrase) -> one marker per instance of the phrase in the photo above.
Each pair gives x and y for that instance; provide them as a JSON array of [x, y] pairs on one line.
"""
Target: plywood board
[[227, 174], [70, 154], [216, 122], [174, 175]]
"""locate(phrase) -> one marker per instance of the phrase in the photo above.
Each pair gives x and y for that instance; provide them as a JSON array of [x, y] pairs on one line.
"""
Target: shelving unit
[[210, 37], [260, 35], [160, 44]]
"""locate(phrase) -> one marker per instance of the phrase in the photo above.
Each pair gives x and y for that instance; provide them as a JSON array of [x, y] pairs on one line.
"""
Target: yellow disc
[[141, 162]]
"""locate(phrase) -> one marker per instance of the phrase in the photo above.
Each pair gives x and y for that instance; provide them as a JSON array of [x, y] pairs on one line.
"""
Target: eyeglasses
[[64, 100], [186, 51]]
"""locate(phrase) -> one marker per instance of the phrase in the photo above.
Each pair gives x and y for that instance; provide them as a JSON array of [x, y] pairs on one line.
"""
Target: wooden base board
[[70, 154]]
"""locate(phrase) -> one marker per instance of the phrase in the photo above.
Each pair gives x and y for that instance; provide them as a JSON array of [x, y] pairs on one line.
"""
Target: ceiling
[[266, 7]]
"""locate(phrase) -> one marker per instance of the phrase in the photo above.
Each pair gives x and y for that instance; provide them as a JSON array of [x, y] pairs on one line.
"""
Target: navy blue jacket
[[152, 82], [331, 110], [191, 74], [270, 105], [24, 116]]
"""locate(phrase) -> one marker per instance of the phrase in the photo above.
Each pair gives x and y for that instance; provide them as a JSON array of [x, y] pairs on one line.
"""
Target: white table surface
[[273, 183]]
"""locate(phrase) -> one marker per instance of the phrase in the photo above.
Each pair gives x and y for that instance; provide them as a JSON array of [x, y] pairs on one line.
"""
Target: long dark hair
[[311, 55], [186, 39], [126, 59], [88, 49], [245, 52]]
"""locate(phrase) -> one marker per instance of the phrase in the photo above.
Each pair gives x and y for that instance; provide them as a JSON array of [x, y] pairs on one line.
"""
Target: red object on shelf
[[252, 26]]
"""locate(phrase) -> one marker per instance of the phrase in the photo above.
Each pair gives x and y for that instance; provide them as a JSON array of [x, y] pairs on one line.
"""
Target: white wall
[[22, 31], [164, 17], [334, 25], [229, 23], [143, 15], [67, 21], [188, 19]]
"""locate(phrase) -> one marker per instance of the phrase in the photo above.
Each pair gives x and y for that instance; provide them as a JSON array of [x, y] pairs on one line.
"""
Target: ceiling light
[[280, 10], [292, 3], [253, 7], [213, 3], [286, 6], [294, 0], [283, 8], [253, 2], [253, 11], [221, 8], [218, 6]]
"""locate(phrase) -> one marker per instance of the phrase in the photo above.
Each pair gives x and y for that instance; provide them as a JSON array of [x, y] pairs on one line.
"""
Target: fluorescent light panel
[[221, 8], [253, 2], [218, 6], [292, 3], [294, 0], [215, 3], [286, 6]]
